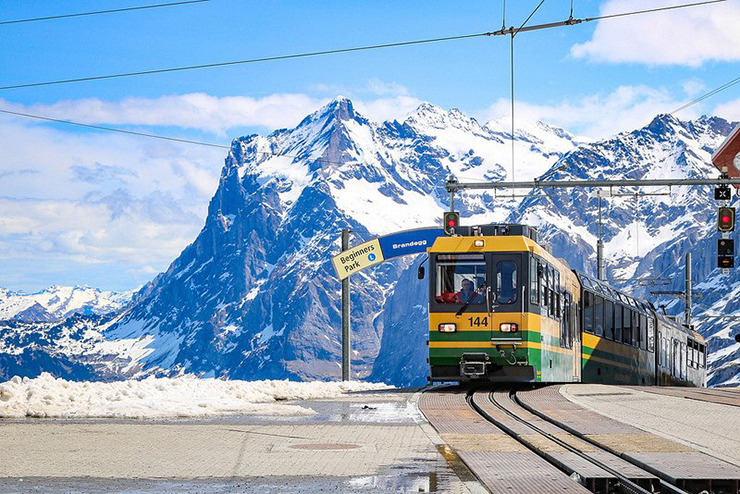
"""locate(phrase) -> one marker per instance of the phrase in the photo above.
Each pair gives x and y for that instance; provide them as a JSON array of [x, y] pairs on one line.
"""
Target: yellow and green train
[[502, 308]]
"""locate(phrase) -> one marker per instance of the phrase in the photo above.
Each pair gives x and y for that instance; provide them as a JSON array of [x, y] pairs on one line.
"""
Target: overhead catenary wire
[[341, 50], [707, 95], [99, 12], [249, 61], [152, 136]]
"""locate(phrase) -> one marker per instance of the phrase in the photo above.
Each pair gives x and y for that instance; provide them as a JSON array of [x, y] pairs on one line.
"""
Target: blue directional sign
[[409, 241]]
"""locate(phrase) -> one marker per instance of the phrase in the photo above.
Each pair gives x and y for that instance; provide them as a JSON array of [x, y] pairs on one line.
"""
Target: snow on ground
[[184, 396]]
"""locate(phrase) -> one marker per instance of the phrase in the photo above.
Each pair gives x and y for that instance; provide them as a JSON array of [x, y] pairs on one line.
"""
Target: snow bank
[[184, 396]]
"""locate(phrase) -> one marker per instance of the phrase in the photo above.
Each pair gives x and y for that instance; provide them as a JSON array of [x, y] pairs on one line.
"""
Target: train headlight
[[447, 327], [508, 327], [479, 243]]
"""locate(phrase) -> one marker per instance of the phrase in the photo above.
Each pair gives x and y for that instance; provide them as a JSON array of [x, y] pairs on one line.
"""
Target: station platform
[[378, 441], [361, 442]]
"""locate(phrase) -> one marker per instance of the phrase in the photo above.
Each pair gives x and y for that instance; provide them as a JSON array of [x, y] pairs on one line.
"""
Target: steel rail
[[454, 186], [624, 482], [664, 483]]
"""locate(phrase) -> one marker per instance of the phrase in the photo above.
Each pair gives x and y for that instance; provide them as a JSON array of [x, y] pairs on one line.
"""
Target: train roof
[[611, 293]]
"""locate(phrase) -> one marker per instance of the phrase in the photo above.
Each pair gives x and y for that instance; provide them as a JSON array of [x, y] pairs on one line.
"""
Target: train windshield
[[460, 278]]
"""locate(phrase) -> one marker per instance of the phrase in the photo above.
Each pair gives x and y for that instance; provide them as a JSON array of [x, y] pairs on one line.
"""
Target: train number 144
[[478, 322]]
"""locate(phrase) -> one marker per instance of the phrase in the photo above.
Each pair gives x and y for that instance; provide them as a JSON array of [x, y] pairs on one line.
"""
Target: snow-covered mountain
[[254, 296], [57, 302], [645, 235]]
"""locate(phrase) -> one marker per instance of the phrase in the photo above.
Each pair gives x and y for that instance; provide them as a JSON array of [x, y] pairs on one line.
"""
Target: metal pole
[[687, 317], [346, 344], [452, 201], [540, 184], [600, 248]]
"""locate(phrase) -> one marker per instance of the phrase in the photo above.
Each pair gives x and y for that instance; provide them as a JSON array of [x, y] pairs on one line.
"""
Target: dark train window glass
[[506, 282], [651, 334], [635, 329], [627, 326], [598, 315], [558, 303], [458, 277], [564, 325], [690, 353], [702, 356], [551, 287], [609, 320], [544, 284], [534, 293], [643, 332], [618, 323], [588, 312]]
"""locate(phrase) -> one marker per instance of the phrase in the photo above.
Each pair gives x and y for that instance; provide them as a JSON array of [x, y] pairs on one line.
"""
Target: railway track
[[536, 441], [594, 467]]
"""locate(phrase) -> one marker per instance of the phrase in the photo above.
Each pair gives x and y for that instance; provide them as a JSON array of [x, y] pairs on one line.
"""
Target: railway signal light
[[725, 262], [451, 221], [725, 247], [726, 219]]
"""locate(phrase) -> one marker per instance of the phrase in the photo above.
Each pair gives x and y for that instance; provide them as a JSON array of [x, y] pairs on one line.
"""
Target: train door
[[507, 292], [576, 338]]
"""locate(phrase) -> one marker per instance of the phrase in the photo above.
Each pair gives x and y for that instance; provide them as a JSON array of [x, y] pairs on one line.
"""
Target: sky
[[83, 207]]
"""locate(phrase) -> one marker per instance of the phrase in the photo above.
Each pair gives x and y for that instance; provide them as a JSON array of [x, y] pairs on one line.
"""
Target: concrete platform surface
[[361, 442], [710, 427]]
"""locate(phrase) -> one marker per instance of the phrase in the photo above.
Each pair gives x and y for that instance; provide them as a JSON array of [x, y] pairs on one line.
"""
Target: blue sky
[[81, 207]]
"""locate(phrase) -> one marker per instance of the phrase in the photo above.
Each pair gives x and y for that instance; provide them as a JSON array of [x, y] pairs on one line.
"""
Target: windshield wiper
[[470, 299]]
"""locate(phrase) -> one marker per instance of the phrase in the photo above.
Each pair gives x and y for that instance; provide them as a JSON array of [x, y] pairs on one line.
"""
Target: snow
[[183, 396], [62, 301]]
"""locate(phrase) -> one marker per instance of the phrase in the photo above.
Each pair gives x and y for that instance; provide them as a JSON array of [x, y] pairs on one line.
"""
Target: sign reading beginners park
[[381, 249]]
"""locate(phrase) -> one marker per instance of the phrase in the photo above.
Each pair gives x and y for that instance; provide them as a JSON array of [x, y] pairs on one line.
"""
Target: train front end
[[488, 321]]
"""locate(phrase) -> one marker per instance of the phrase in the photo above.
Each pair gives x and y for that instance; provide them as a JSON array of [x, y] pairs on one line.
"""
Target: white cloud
[[693, 87], [729, 110], [219, 115], [688, 36], [597, 115]]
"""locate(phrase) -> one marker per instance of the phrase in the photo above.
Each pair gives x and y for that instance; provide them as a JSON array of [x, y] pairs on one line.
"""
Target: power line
[[657, 9], [81, 14], [249, 61], [707, 95], [153, 136], [113, 129], [571, 21], [344, 50]]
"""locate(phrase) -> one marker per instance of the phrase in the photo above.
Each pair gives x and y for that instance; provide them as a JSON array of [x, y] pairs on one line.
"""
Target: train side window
[[588, 312], [643, 332], [544, 274], [534, 292], [683, 360], [627, 327], [598, 315], [618, 323], [661, 356], [635, 329], [565, 325], [690, 353], [702, 356], [609, 320], [551, 288], [651, 334], [558, 305]]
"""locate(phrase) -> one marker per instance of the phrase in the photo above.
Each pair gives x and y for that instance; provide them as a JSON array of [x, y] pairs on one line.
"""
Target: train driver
[[467, 294]]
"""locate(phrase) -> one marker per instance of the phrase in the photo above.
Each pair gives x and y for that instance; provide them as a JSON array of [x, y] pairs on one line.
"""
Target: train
[[503, 308]]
